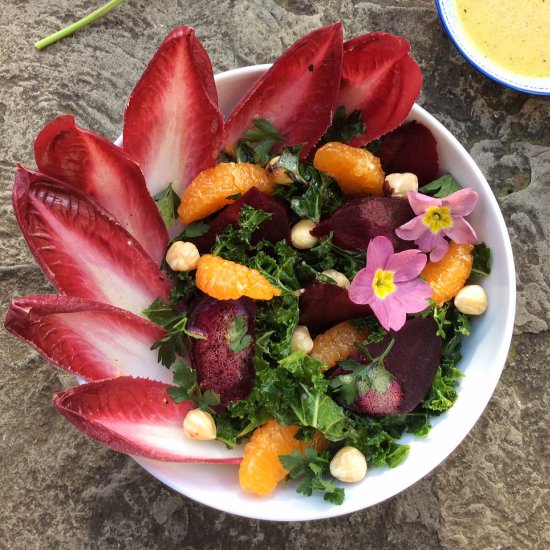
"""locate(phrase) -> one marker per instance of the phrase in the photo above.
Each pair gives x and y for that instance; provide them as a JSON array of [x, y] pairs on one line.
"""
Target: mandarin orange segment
[[337, 343], [448, 276], [357, 172], [208, 192], [261, 470], [226, 280]]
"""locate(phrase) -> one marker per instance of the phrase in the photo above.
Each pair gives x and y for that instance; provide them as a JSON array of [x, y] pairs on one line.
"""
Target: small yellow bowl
[[477, 51]]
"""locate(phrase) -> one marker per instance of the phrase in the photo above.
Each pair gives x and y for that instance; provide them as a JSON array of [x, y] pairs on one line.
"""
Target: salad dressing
[[511, 34]]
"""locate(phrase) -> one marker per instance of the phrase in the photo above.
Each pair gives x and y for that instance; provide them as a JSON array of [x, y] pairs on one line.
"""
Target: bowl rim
[[257, 508], [469, 55]]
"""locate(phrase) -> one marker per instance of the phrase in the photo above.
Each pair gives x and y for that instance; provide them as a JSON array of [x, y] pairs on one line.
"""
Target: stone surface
[[59, 490]]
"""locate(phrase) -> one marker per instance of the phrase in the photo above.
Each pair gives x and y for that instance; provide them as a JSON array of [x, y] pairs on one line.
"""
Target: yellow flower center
[[382, 283], [437, 218]]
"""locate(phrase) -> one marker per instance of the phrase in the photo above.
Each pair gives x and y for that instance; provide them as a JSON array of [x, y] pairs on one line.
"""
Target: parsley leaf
[[264, 136], [310, 470], [239, 339], [359, 377], [186, 388], [194, 229], [442, 187], [172, 344], [344, 128], [168, 203], [482, 260]]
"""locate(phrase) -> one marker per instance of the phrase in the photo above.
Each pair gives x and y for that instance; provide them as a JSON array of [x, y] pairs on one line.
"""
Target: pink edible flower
[[439, 218], [390, 284]]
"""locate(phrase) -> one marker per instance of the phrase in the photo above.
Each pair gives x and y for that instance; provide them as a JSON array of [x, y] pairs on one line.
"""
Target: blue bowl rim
[[476, 65]]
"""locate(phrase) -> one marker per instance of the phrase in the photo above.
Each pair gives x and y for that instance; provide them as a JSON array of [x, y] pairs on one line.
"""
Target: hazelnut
[[339, 278], [183, 256], [200, 425], [401, 184], [301, 339], [349, 465], [301, 237], [276, 172], [471, 299]]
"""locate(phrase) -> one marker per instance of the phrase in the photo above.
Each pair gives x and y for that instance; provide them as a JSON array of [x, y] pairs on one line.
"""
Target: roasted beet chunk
[[275, 229], [223, 360], [358, 221], [413, 359], [410, 148], [323, 306]]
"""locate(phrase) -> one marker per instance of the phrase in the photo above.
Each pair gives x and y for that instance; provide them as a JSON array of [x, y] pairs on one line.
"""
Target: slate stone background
[[59, 490]]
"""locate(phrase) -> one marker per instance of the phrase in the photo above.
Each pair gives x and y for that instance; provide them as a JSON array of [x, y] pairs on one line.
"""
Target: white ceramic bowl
[[448, 14], [484, 357]]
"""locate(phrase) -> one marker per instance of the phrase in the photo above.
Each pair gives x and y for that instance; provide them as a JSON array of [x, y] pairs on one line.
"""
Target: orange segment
[[226, 280], [337, 343], [208, 192], [357, 171], [448, 276], [261, 470]]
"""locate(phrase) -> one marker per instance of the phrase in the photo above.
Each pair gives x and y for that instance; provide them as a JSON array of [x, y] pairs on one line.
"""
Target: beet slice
[[383, 399], [410, 148], [172, 126], [80, 248], [358, 221], [230, 374], [413, 359], [381, 80], [275, 229], [94, 165], [324, 305], [86, 338], [297, 94], [137, 417]]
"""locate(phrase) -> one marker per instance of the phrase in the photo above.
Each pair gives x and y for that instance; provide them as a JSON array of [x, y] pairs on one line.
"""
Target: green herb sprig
[[312, 470], [186, 388]]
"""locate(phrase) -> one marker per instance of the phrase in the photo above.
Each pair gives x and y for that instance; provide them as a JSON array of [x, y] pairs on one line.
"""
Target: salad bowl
[[484, 356], [95, 327]]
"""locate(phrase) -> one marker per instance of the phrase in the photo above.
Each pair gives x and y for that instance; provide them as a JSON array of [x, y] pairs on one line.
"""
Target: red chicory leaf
[[94, 165], [297, 95], [137, 417], [172, 126], [80, 248], [86, 338], [380, 79]]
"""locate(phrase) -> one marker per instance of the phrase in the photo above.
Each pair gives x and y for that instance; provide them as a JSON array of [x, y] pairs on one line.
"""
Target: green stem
[[78, 25]]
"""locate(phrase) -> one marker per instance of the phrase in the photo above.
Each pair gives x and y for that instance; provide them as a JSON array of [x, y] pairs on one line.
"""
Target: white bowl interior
[[448, 13], [484, 358]]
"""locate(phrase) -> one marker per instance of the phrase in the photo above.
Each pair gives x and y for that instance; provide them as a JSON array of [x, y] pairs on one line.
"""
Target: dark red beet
[[275, 229], [413, 359], [358, 221], [410, 148], [218, 367], [323, 306]]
